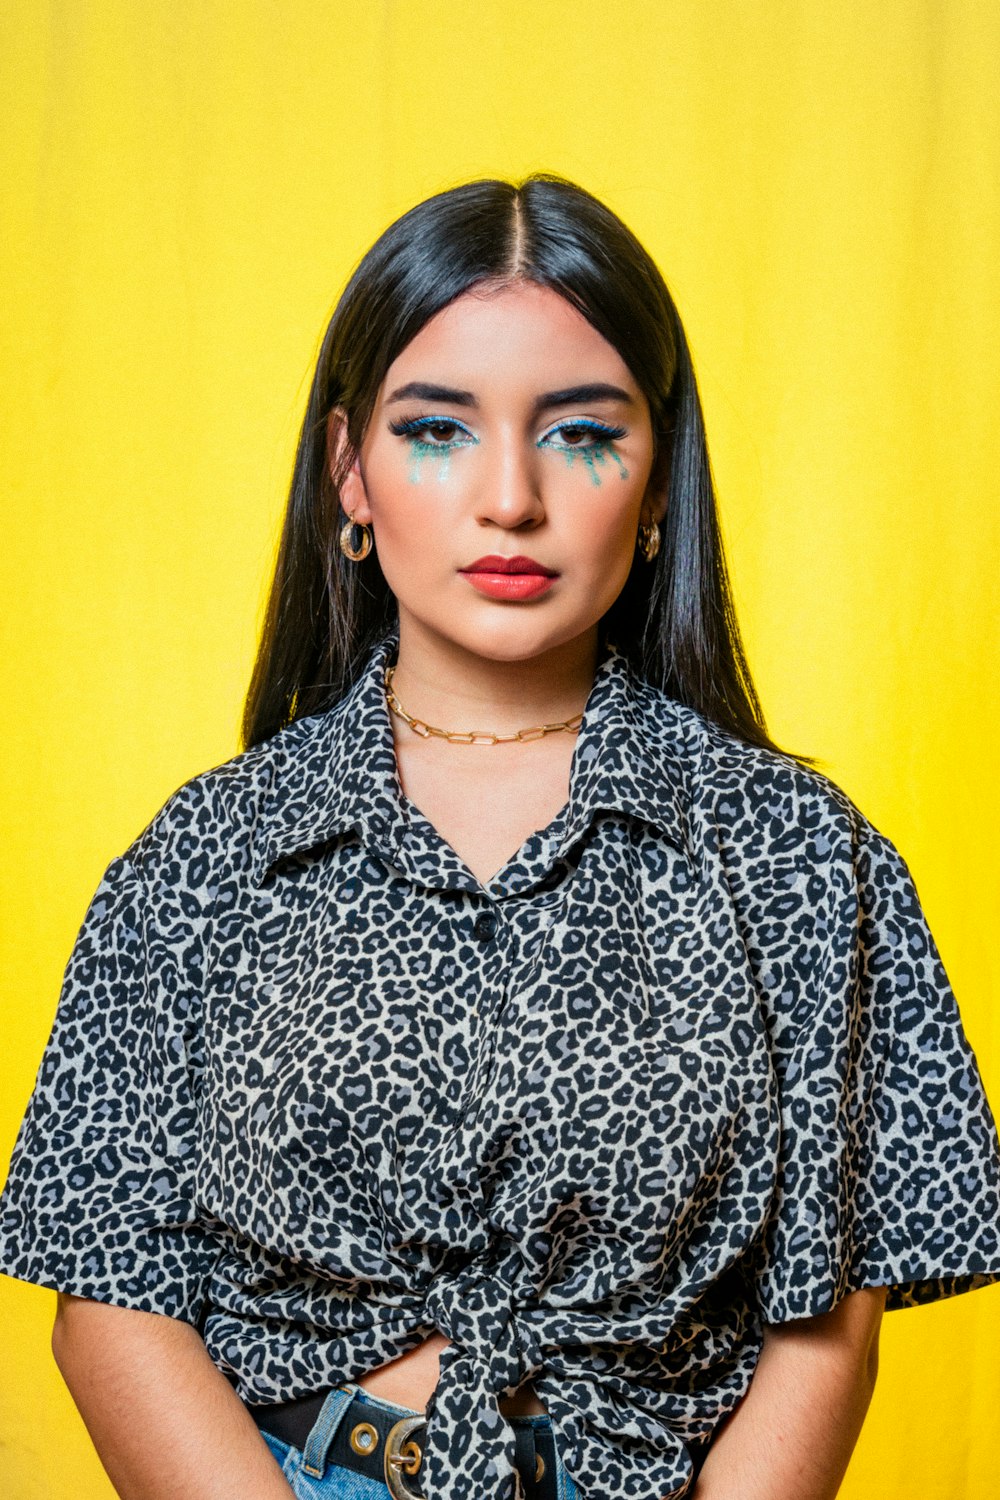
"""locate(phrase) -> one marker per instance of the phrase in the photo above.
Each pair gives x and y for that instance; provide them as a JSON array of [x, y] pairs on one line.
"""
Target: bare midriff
[[410, 1381]]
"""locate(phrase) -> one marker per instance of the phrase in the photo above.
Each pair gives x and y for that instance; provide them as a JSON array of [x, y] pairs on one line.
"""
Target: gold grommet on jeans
[[402, 1456], [364, 1438], [539, 1467]]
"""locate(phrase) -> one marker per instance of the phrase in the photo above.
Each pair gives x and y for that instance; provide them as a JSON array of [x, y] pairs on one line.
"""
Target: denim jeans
[[339, 1483]]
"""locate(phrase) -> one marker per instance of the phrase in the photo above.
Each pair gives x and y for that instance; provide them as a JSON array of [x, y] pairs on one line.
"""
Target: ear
[[349, 482], [658, 485]]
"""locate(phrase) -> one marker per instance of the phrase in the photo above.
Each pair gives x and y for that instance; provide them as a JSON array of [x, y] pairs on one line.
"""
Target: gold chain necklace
[[472, 736]]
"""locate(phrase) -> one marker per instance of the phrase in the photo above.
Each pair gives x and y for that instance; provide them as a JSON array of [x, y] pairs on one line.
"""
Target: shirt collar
[[336, 771]]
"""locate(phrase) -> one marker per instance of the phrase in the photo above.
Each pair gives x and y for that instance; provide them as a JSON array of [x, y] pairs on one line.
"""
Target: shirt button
[[485, 927]]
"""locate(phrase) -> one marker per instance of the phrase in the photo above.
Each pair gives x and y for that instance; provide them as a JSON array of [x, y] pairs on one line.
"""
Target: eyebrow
[[573, 395]]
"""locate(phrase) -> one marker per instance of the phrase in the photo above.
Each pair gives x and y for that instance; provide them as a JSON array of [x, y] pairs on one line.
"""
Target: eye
[[580, 434], [434, 432]]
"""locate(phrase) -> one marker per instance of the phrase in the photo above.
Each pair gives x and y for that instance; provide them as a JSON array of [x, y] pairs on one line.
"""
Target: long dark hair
[[675, 619]]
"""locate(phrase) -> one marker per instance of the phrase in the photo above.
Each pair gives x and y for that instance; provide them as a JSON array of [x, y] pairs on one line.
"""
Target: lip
[[518, 565], [510, 586]]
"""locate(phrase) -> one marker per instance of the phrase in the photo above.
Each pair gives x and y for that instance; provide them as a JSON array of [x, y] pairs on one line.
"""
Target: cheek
[[418, 467], [599, 503], [429, 466], [410, 493]]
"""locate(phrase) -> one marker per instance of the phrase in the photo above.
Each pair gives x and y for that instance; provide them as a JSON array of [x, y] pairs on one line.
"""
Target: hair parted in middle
[[675, 618]]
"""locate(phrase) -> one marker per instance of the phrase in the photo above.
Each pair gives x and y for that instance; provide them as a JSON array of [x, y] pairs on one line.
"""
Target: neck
[[455, 687]]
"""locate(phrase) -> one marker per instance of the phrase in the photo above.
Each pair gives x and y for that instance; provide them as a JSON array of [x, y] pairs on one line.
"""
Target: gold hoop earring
[[347, 547], [649, 540]]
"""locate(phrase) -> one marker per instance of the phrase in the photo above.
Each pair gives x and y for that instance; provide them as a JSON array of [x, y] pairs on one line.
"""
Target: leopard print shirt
[[688, 1063]]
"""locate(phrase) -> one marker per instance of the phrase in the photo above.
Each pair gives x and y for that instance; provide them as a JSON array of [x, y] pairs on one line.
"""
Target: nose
[[510, 494]]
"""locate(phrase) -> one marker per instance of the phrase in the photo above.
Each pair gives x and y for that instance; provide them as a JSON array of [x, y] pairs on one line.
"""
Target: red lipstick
[[509, 577]]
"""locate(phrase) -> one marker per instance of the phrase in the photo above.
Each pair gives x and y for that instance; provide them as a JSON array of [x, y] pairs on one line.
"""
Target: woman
[[511, 1076]]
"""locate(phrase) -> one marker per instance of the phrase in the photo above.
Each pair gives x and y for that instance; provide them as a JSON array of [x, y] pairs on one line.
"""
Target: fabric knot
[[469, 1444], [476, 1310]]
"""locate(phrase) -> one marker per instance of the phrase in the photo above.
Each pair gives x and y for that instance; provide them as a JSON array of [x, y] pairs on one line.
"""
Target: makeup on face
[[580, 439], [509, 578], [507, 427], [511, 588]]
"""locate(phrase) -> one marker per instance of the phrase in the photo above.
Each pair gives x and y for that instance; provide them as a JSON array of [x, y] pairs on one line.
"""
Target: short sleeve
[[889, 1171], [100, 1196]]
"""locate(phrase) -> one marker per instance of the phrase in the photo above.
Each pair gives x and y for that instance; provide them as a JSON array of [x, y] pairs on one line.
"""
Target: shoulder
[[758, 803], [211, 820]]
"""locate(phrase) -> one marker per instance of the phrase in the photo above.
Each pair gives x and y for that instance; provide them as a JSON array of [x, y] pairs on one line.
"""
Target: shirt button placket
[[485, 930]]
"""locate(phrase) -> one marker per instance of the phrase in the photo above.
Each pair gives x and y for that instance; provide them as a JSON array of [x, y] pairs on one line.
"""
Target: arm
[[792, 1436], [164, 1420]]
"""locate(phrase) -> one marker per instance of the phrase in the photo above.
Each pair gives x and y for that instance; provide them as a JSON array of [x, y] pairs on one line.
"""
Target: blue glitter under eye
[[594, 454], [421, 449]]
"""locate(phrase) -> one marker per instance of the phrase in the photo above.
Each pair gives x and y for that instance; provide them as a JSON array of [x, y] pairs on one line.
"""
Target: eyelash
[[411, 428]]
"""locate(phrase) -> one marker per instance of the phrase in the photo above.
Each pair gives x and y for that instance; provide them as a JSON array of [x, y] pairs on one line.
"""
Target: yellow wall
[[187, 186]]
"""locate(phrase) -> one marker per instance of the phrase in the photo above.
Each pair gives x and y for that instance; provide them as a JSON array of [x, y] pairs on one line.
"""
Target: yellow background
[[186, 187]]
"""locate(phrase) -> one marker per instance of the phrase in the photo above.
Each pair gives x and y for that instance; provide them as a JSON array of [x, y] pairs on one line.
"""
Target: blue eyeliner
[[416, 425], [599, 430], [421, 449], [593, 454]]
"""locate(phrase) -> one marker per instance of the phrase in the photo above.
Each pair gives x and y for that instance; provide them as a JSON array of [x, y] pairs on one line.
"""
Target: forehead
[[521, 337]]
